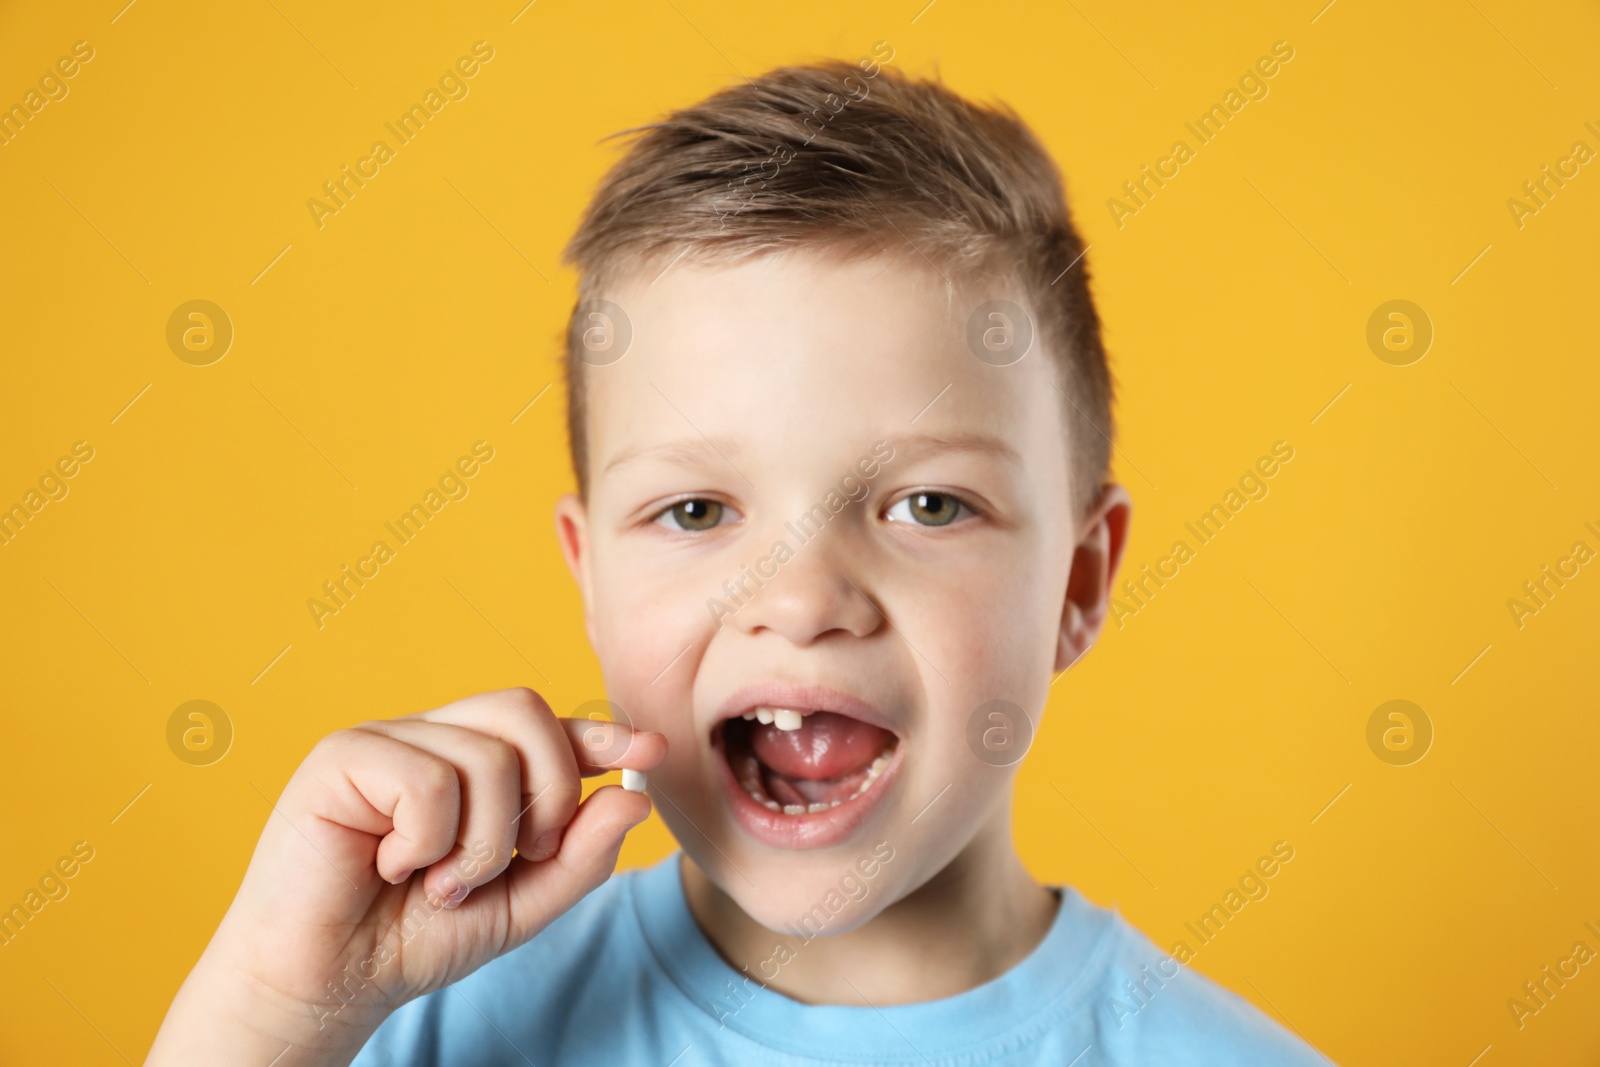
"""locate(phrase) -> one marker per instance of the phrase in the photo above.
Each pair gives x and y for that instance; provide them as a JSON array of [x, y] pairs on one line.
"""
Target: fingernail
[[546, 843], [454, 898]]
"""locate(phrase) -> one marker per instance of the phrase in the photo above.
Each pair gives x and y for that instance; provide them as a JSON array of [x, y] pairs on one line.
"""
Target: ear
[[1095, 558], [572, 530]]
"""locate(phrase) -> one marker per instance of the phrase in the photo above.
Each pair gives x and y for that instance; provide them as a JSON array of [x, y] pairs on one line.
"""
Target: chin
[[819, 899]]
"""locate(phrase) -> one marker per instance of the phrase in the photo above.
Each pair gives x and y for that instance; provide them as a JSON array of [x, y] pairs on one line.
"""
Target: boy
[[839, 414]]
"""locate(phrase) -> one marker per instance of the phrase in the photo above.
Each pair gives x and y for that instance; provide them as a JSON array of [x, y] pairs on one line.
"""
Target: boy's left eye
[[928, 508], [694, 516]]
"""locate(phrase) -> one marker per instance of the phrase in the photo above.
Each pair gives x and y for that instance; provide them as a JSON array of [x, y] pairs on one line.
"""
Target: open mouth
[[803, 777]]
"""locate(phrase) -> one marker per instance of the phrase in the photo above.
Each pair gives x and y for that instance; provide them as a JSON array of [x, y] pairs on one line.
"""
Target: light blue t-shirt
[[627, 977]]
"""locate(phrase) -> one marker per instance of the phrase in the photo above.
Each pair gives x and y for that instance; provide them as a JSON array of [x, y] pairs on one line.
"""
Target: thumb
[[541, 892]]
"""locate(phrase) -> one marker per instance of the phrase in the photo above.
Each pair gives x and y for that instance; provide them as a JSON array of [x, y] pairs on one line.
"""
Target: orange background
[[368, 354]]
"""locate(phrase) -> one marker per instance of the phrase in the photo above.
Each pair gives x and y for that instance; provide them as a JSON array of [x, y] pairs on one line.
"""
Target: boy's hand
[[385, 871]]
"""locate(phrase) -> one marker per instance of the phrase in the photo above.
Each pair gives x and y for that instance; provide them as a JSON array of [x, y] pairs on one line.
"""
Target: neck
[[971, 922]]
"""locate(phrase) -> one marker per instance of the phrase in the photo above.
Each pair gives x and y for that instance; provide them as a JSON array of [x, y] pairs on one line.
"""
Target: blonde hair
[[864, 160]]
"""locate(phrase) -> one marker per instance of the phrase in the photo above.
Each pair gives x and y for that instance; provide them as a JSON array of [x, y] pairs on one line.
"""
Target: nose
[[812, 595]]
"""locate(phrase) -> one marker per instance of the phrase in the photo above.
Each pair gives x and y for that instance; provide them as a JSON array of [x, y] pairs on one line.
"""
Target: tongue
[[827, 745]]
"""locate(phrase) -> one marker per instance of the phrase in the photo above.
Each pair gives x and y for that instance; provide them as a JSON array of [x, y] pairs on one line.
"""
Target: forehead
[[808, 357]]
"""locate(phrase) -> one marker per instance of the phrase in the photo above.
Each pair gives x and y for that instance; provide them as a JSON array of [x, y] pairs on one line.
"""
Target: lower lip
[[819, 829]]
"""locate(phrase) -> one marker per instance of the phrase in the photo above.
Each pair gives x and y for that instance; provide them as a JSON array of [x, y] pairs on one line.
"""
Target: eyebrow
[[686, 452], [695, 451], [916, 446]]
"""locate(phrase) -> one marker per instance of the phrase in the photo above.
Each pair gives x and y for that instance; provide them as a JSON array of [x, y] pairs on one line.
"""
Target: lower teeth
[[751, 780]]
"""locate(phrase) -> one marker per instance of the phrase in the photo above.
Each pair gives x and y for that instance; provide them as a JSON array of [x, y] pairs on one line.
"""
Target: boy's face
[[808, 495]]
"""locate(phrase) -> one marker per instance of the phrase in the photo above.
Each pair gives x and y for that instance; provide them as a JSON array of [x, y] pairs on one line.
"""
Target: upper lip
[[802, 698]]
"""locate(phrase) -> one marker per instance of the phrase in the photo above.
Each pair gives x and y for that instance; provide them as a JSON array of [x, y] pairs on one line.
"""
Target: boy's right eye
[[694, 515]]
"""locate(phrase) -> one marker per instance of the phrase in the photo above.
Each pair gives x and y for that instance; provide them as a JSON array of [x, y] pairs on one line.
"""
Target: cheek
[[988, 625], [644, 620], [988, 632]]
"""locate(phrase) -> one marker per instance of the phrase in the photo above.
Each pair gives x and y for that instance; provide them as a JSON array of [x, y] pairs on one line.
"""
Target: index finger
[[601, 746], [552, 753]]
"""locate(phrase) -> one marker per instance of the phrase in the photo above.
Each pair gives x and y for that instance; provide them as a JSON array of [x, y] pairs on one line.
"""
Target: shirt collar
[[1011, 1010]]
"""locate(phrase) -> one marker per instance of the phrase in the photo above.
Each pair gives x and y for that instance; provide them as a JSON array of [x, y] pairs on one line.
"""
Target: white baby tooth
[[750, 715], [818, 806], [874, 772], [786, 719], [772, 804], [633, 781], [794, 809], [764, 715]]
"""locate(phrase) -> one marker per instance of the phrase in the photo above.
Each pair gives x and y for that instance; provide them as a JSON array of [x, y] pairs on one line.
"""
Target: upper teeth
[[782, 718]]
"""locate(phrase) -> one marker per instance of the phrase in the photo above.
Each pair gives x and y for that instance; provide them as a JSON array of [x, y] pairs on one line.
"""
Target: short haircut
[[864, 160]]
